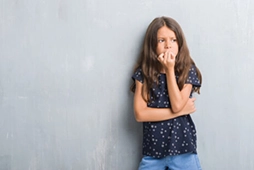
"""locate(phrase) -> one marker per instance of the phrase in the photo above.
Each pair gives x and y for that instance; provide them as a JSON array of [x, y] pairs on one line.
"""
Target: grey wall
[[65, 69]]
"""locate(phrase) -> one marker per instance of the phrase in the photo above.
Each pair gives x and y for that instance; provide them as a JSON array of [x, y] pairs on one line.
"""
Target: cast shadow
[[132, 128]]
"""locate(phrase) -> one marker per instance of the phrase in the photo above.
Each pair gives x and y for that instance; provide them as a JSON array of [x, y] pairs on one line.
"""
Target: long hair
[[151, 67]]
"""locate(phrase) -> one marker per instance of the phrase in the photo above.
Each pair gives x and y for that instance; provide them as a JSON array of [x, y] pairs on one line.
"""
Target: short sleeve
[[138, 75], [193, 77]]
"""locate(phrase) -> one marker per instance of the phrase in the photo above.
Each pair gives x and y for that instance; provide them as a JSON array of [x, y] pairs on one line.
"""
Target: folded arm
[[147, 114], [178, 98]]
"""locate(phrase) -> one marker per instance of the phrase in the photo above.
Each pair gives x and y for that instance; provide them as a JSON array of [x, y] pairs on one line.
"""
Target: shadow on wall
[[133, 129]]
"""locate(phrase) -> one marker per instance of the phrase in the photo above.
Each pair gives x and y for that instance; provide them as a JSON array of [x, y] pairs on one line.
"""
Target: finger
[[172, 55], [167, 55], [160, 57]]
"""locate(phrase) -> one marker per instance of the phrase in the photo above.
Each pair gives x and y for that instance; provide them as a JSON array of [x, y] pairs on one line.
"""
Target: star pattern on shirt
[[169, 137]]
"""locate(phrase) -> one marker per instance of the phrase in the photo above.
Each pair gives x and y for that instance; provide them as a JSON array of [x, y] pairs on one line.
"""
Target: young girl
[[164, 79]]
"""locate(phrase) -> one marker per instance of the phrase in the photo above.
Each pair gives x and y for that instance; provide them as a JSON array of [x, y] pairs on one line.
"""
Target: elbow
[[138, 116], [176, 108], [139, 120]]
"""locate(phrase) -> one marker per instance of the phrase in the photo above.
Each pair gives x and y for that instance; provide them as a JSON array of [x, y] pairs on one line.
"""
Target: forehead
[[165, 32]]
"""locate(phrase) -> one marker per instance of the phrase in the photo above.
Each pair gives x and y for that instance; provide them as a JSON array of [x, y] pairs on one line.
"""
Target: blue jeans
[[187, 161]]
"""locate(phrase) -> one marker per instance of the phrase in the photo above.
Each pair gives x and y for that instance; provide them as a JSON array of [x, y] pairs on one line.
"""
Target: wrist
[[170, 70], [182, 112], [170, 73]]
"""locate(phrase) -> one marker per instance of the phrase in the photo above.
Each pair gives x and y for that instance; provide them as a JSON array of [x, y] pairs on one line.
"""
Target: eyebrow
[[166, 37]]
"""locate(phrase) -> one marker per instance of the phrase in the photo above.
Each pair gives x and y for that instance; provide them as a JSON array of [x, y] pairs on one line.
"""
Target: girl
[[164, 79]]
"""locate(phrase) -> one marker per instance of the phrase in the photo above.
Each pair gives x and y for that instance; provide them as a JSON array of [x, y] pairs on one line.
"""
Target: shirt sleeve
[[193, 77], [138, 75]]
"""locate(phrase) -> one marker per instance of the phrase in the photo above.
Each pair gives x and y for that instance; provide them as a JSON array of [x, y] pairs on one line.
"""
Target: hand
[[167, 59], [189, 107]]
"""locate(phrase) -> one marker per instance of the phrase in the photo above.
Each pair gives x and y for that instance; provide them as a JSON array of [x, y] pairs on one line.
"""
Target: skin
[[167, 49]]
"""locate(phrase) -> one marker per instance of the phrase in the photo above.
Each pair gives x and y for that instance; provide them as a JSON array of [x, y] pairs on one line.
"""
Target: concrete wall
[[65, 69]]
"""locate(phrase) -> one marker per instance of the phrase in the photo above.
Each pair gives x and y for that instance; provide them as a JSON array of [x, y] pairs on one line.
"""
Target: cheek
[[176, 50], [160, 49]]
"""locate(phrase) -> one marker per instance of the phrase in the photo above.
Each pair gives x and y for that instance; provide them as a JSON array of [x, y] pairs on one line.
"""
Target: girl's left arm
[[178, 98]]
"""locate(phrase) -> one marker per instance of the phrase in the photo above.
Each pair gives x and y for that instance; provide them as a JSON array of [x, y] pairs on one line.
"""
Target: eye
[[173, 40], [160, 40]]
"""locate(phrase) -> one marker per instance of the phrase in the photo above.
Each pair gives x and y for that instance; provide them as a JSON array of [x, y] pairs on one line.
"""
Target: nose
[[168, 45]]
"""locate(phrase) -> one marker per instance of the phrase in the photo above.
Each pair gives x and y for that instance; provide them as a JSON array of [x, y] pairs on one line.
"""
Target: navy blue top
[[169, 137]]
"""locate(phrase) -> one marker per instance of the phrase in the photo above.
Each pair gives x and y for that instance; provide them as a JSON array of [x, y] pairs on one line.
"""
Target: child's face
[[166, 41]]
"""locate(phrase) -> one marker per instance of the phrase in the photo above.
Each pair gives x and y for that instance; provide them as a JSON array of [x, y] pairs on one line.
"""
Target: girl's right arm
[[147, 114]]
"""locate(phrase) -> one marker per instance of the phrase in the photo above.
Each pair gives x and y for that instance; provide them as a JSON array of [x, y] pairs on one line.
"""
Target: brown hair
[[151, 67]]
